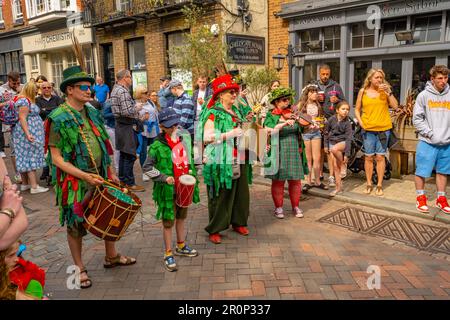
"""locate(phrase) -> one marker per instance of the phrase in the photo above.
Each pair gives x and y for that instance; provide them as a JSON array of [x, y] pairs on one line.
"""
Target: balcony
[[114, 13], [44, 11]]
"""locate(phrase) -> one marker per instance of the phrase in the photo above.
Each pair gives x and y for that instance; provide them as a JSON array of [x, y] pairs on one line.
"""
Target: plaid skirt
[[289, 158]]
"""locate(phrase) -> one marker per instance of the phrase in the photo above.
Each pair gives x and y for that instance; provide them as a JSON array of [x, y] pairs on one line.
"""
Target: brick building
[[13, 25], [138, 36]]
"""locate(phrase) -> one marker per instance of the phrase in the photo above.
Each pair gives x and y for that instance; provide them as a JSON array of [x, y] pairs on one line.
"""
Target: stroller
[[356, 159]]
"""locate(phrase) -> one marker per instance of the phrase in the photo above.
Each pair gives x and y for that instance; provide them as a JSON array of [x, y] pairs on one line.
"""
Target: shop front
[[11, 58], [50, 53], [404, 38]]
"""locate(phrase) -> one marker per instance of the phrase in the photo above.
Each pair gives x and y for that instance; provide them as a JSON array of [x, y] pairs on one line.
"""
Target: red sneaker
[[215, 238], [441, 203], [421, 204], [241, 230]]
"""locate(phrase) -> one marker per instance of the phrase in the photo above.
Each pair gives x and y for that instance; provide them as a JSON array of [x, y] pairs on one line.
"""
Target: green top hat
[[73, 75]]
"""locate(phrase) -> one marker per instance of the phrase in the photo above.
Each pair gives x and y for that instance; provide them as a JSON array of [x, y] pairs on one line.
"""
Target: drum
[[110, 212], [185, 191]]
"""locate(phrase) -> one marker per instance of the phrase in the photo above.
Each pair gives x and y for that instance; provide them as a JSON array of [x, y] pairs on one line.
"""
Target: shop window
[[34, 62], [360, 74], [427, 29], [393, 70], [362, 37], [309, 38], [87, 52], [332, 38], [12, 61], [310, 73], [388, 31], [71, 59], [136, 54], [57, 68], [421, 72]]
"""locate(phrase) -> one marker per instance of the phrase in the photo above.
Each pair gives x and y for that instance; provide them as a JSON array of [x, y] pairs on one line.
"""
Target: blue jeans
[[126, 164], [372, 144], [146, 142]]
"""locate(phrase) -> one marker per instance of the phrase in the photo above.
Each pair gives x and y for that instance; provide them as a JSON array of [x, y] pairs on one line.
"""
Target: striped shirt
[[185, 108], [122, 104]]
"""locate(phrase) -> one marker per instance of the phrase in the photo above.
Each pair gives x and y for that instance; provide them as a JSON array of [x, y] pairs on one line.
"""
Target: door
[[108, 65]]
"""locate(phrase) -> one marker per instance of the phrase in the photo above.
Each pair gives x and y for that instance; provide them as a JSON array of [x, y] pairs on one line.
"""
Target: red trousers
[[295, 191]]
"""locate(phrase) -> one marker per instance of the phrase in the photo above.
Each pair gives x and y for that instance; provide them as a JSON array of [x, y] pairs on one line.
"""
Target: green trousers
[[231, 206]]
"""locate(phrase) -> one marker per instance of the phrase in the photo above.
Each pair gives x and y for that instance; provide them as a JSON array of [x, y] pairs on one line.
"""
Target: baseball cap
[[174, 83], [168, 118]]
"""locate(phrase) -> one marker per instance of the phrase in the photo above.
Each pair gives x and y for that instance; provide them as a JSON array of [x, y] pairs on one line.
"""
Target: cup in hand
[[321, 96]]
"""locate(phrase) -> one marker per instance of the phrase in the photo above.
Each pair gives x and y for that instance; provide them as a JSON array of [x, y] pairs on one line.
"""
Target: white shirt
[[201, 94]]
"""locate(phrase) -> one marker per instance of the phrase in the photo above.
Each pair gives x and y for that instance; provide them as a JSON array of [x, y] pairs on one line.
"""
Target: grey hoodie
[[432, 115]]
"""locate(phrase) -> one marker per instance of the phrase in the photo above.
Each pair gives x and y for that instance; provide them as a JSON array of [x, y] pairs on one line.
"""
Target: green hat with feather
[[282, 93]]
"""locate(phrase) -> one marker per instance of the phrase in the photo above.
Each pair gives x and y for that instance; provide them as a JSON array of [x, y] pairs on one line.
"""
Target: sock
[[441, 194], [420, 192], [168, 253], [295, 191], [278, 193], [180, 245]]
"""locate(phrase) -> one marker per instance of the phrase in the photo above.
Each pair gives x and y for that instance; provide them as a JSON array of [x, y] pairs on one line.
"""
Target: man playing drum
[[168, 161], [76, 134]]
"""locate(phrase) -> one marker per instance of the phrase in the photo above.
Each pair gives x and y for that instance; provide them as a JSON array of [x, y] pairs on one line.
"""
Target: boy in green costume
[[168, 159]]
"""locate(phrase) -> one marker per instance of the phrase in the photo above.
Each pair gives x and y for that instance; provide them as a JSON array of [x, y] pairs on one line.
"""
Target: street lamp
[[296, 59]]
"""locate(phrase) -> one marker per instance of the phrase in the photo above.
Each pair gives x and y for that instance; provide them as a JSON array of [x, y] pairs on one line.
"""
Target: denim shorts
[[429, 157], [372, 144], [312, 135]]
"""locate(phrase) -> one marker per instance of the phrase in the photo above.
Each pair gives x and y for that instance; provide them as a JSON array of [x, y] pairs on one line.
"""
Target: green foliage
[[202, 51], [258, 82]]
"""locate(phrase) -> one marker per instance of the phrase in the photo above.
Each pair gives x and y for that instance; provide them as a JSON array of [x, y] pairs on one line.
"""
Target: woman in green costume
[[286, 160], [79, 158], [168, 159], [226, 173]]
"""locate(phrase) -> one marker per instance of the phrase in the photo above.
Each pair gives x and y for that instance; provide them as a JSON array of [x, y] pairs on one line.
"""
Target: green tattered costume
[[163, 193], [71, 191], [228, 199], [287, 163]]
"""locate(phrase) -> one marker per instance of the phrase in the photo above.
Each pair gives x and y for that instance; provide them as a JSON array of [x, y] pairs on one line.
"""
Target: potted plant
[[403, 125]]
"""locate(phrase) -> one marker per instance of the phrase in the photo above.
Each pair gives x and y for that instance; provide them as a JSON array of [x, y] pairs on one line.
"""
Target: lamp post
[[295, 59]]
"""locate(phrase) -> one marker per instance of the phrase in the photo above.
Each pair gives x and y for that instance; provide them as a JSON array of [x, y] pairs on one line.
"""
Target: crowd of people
[[94, 135]]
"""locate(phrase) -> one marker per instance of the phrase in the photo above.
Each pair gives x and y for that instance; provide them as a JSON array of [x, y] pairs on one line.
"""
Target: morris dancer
[[167, 161], [226, 179], [286, 162], [72, 168]]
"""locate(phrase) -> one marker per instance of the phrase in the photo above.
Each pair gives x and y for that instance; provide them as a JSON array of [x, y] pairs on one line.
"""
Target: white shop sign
[[54, 40]]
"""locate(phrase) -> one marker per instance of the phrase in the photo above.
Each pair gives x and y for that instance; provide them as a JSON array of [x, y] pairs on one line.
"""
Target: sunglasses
[[46, 87], [233, 92], [285, 99], [85, 87]]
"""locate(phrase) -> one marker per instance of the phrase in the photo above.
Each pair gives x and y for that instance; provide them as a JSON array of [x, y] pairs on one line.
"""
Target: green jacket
[[160, 158], [70, 191]]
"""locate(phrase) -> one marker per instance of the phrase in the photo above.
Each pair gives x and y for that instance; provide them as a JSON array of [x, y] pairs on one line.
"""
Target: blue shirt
[[185, 108], [101, 92]]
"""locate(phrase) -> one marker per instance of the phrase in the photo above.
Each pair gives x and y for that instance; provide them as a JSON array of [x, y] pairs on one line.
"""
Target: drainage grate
[[419, 235]]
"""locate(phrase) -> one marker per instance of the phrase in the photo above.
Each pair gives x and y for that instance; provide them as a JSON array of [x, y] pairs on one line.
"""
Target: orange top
[[375, 113]]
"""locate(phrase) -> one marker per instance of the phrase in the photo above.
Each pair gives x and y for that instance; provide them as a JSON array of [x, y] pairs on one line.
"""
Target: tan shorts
[[180, 214], [77, 230]]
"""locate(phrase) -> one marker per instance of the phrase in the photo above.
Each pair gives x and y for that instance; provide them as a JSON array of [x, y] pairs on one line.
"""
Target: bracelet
[[9, 212]]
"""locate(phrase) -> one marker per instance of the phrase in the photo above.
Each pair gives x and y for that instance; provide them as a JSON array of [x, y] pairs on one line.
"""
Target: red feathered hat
[[222, 84]]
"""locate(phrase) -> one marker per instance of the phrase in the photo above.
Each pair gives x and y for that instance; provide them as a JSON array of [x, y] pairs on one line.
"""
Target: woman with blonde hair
[[372, 112], [312, 136], [28, 138]]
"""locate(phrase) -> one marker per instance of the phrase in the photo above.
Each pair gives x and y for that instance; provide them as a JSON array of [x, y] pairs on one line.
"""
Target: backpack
[[9, 114]]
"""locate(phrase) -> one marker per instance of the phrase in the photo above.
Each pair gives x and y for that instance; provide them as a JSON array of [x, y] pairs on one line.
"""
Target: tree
[[203, 50], [258, 82]]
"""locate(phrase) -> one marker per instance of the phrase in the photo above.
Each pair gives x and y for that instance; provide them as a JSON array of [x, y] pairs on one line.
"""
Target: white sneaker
[[279, 213], [18, 178], [2, 154], [25, 187], [298, 212], [145, 178], [331, 181], [39, 189]]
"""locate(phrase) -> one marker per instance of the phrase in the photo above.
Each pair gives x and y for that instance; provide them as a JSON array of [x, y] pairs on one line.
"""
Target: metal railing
[[103, 12]]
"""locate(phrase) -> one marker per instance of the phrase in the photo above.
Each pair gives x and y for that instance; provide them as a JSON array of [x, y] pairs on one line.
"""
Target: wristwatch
[[9, 212]]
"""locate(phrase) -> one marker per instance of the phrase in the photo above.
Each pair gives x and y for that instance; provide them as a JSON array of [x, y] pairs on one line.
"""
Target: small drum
[[185, 191], [110, 212]]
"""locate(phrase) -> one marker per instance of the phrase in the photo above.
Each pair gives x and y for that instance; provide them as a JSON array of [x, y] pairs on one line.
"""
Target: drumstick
[[124, 190]]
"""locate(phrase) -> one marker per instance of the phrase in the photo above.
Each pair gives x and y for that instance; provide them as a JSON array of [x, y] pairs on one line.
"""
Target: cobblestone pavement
[[280, 259]]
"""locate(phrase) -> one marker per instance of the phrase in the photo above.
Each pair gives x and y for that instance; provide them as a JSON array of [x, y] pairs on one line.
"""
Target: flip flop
[[321, 186], [86, 283]]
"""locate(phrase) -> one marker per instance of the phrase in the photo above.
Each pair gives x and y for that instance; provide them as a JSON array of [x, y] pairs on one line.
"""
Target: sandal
[[369, 189], [379, 192], [116, 261], [86, 283], [306, 187], [321, 186]]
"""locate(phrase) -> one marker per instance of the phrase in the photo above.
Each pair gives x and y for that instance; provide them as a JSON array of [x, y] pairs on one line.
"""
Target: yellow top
[[375, 113]]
